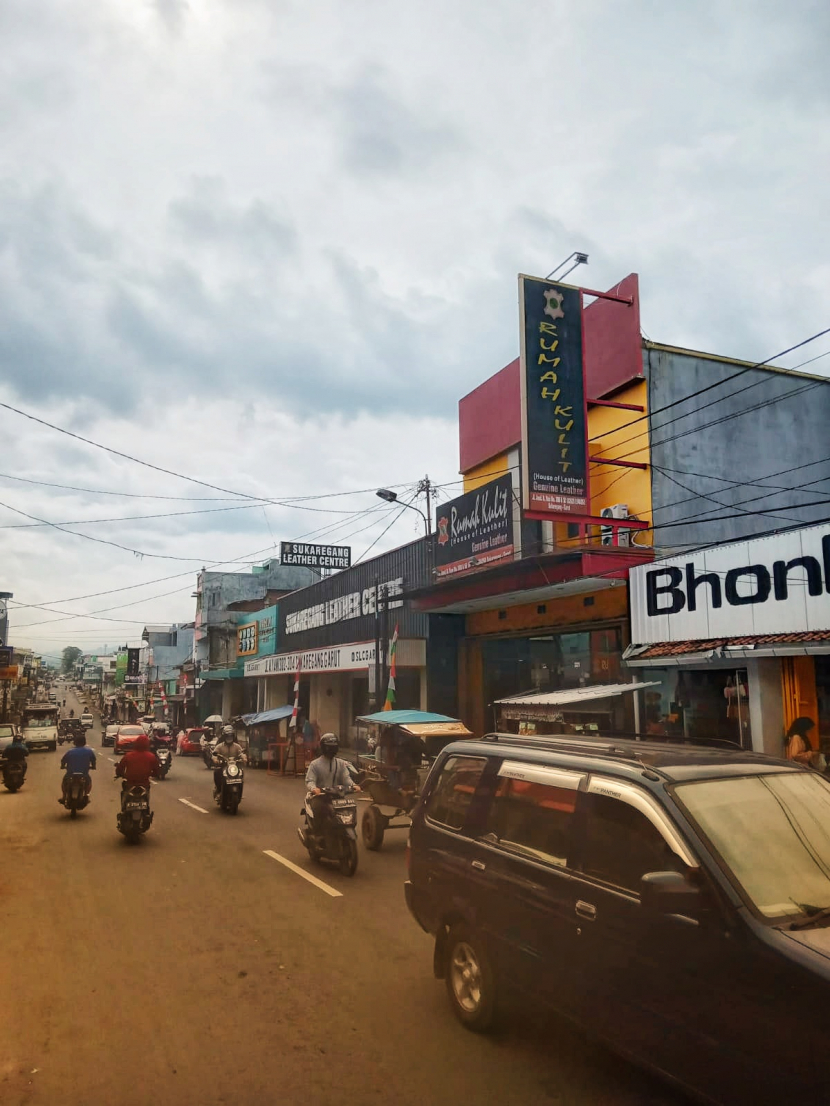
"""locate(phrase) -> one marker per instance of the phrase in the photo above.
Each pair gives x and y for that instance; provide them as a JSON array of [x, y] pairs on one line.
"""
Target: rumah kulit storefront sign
[[475, 530], [554, 411]]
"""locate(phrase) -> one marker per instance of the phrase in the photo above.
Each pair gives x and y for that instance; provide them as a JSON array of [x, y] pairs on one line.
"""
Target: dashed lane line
[[193, 806], [335, 894]]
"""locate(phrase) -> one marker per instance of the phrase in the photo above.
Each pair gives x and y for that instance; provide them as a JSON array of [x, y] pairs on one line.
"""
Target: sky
[[268, 245]]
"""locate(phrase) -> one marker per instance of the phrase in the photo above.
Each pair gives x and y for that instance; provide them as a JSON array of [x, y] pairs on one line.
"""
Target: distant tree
[[70, 655]]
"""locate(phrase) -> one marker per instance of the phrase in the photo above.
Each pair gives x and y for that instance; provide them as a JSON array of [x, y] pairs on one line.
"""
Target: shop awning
[[419, 722], [722, 651], [571, 696], [275, 715]]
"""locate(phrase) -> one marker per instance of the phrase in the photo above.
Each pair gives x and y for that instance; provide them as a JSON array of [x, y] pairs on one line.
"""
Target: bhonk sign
[[475, 530], [774, 585], [554, 415]]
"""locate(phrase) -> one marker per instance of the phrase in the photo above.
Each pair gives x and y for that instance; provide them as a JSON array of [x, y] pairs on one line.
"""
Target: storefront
[[336, 636], [738, 638]]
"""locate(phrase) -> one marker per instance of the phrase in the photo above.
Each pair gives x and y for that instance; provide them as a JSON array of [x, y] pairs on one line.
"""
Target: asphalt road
[[195, 968]]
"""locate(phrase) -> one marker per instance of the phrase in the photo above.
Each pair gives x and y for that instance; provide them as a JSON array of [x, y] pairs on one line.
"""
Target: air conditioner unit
[[618, 510]]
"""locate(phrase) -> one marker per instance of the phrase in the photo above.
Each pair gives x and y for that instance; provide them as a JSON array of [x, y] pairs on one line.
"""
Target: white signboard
[[774, 585], [336, 658]]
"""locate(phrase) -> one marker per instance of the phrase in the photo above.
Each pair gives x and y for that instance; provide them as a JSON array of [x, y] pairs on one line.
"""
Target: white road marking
[[187, 802], [306, 875]]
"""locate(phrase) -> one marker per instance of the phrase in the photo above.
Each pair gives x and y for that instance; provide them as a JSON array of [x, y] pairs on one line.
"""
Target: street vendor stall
[[596, 709], [405, 743], [265, 741]]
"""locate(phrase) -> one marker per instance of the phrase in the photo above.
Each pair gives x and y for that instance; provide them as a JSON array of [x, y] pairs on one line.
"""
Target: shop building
[[738, 638], [543, 601], [336, 635]]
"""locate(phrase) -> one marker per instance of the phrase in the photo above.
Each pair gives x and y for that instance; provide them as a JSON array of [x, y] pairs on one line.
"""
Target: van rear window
[[533, 818], [452, 794]]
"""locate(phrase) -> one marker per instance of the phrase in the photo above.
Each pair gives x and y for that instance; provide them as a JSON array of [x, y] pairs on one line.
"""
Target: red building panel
[[489, 418]]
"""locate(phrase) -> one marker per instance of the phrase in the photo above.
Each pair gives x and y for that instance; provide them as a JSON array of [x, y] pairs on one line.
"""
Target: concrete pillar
[[766, 707]]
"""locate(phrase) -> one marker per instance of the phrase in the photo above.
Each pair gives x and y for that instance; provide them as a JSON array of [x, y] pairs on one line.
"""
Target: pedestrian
[[179, 742], [798, 747]]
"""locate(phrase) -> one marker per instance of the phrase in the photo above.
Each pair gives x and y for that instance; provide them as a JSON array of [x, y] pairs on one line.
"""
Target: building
[[677, 455], [220, 598], [169, 649], [735, 639], [335, 635]]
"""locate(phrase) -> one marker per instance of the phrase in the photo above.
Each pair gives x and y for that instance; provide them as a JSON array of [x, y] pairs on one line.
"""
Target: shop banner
[[356, 657], [134, 675], [774, 585], [554, 413], [315, 556], [475, 530]]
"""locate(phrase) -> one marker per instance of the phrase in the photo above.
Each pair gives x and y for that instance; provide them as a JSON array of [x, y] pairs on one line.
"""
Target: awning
[[422, 723], [721, 652], [275, 715], [543, 705]]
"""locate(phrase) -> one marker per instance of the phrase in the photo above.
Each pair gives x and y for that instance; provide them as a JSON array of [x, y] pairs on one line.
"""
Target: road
[[195, 968]]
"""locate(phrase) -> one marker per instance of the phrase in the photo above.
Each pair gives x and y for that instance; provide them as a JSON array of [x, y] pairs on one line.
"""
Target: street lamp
[[392, 497]]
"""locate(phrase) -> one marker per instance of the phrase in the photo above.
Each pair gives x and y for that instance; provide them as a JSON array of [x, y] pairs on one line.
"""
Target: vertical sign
[[554, 419]]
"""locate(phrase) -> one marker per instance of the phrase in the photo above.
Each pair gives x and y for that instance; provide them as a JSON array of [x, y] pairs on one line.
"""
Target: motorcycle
[[76, 797], [229, 795], [135, 817], [14, 773], [332, 835], [165, 759]]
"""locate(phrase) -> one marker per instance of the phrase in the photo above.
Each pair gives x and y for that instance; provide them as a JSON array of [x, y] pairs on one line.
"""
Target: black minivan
[[673, 900]]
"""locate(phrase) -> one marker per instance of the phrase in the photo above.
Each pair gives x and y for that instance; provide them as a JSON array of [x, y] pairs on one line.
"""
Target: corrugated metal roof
[[572, 695]]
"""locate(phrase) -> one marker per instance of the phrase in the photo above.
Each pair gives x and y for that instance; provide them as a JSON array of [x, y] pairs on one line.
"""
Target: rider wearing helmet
[[78, 760], [328, 770], [137, 765], [227, 749]]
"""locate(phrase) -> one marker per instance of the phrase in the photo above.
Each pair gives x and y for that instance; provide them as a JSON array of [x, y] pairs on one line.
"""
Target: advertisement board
[[475, 530], [256, 634], [774, 585], [315, 556], [554, 412], [134, 675], [9, 672]]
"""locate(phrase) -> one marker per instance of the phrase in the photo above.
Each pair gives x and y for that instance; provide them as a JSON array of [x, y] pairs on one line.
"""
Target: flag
[[390, 689], [292, 725]]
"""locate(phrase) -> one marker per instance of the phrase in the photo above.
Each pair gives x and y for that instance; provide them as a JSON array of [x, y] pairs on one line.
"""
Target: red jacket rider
[[139, 763]]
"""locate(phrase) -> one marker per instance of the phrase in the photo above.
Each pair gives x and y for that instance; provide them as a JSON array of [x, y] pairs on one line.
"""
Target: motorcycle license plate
[[136, 805], [342, 802]]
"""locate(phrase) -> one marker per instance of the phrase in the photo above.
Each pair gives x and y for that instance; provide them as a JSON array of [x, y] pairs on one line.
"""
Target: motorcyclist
[[228, 749], [78, 760], [138, 765], [16, 750], [71, 713], [327, 771]]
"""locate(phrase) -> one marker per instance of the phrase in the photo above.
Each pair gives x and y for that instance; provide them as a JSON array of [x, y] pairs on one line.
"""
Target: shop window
[[451, 797], [532, 818], [622, 845]]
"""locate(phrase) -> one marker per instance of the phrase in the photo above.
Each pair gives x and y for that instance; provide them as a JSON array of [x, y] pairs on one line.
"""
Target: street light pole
[[392, 497]]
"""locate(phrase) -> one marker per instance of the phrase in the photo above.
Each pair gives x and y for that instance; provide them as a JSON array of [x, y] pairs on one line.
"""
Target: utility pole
[[425, 488]]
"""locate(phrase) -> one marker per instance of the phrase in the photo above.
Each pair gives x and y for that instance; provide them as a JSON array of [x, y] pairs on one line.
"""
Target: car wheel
[[469, 980]]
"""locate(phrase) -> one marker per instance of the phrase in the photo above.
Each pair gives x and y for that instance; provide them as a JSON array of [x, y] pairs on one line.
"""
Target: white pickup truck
[[40, 726]]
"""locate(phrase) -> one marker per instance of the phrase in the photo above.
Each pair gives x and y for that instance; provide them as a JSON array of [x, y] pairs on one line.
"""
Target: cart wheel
[[372, 828]]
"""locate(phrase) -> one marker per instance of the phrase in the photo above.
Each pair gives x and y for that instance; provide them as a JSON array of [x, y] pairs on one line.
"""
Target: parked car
[[675, 901], [109, 734], [191, 746], [87, 720], [126, 735]]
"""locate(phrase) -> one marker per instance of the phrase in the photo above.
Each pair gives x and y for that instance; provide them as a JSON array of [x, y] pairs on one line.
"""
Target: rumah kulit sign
[[475, 530], [554, 411], [774, 585]]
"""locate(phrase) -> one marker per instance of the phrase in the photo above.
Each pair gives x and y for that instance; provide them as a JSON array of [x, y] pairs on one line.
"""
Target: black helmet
[[329, 744]]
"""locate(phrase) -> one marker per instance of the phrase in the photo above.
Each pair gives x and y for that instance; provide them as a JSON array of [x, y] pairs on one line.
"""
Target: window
[[533, 818], [451, 797], [621, 844]]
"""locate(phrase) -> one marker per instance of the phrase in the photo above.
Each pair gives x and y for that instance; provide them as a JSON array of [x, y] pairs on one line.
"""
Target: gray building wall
[[724, 453]]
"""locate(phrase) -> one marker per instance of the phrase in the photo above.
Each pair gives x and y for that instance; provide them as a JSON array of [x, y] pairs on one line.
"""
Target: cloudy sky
[[268, 244]]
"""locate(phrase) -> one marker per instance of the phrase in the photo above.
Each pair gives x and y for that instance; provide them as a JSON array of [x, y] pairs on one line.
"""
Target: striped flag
[[292, 725], [390, 690]]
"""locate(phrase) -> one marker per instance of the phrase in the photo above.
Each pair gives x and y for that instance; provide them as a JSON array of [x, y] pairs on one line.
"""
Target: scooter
[[135, 817], [165, 759], [332, 835], [229, 795], [76, 797], [14, 773]]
